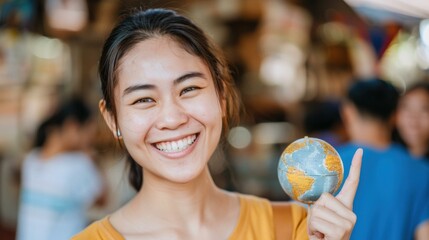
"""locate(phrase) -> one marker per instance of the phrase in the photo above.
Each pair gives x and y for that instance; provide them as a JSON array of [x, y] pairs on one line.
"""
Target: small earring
[[118, 133]]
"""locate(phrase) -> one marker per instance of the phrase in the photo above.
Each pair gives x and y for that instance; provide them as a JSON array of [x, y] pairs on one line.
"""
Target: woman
[[59, 180], [413, 120], [169, 98]]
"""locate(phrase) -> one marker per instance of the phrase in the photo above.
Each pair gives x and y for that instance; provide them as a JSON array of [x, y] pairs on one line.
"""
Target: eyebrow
[[178, 80]]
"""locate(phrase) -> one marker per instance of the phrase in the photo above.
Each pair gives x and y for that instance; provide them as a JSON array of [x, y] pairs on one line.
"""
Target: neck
[[418, 150], [182, 203], [371, 133], [193, 210]]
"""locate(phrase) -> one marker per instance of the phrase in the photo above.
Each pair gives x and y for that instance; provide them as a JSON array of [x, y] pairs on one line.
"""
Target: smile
[[176, 146]]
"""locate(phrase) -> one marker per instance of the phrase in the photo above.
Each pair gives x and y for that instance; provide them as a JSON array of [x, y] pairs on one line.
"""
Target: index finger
[[348, 192]]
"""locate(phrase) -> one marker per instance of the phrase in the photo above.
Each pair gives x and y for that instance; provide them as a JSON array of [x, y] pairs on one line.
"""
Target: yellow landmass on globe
[[328, 149], [333, 162], [294, 147], [299, 181]]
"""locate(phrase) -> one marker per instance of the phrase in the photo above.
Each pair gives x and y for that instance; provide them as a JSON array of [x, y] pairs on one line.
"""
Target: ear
[[108, 117], [347, 112]]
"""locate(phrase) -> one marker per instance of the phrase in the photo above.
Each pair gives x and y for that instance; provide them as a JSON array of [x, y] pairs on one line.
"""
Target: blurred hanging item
[[382, 35], [405, 11], [65, 17]]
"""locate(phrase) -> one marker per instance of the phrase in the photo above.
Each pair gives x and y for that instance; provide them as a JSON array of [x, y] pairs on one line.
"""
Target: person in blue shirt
[[392, 200]]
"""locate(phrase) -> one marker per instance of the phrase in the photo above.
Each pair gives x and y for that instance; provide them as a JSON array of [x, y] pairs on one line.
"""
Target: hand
[[332, 218]]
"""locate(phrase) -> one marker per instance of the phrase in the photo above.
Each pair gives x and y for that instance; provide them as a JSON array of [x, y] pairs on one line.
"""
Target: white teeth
[[180, 143], [176, 146]]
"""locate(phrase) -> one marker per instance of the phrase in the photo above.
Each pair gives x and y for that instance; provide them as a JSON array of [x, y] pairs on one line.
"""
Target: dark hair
[[374, 98], [321, 116], [74, 108], [142, 25]]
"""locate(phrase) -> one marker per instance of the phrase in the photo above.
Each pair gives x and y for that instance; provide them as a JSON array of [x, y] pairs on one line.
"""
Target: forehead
[[162, 56]]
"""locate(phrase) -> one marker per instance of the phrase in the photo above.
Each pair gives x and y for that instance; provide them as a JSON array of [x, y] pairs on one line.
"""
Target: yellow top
[[256, 221]]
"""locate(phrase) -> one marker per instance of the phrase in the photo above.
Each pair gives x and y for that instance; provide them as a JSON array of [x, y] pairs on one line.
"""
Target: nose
[[171, 115]]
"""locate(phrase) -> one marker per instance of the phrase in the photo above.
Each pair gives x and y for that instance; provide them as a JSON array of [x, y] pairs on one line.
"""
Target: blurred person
[[412, 120], [168, 97], [59, 180], [392, 200]]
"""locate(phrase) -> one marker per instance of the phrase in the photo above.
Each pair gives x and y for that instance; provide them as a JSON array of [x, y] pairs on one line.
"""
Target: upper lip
[[171, 139]]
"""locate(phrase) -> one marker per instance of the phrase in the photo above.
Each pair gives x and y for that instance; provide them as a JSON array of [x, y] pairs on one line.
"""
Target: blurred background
[[292, 61]]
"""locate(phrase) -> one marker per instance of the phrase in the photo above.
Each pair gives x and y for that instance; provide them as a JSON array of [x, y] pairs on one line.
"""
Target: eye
[[143, 100], [189, 89]]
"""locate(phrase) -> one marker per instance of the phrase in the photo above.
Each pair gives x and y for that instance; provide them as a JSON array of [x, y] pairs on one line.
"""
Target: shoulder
[[295, 210], [254, 206], [78, 160], [421, 172], [285, 210], [99, 230], [290, 220], [77, 157], [347, 149], [253, 200], [417, 165], [399, 151], [255, 218], [32, 156]]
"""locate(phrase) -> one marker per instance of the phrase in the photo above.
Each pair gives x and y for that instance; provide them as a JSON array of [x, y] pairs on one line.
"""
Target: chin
[[183, 176]]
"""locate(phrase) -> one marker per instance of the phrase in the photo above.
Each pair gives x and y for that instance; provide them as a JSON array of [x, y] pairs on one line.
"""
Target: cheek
[[405, 116], [425, 123], [401, 119], [207, 110], [134, 124]]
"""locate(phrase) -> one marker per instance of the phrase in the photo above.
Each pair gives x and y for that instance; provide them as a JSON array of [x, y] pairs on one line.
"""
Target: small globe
[[308, 167]]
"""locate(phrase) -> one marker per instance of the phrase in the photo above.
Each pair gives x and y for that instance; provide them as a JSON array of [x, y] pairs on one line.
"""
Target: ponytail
[[135, 176]]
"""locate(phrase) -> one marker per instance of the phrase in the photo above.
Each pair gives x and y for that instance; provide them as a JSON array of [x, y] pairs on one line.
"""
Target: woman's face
[[413, 117], [78, 136], [168, 111]]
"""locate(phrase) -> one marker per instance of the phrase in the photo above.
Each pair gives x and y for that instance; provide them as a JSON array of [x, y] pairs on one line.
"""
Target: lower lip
[[176, 155]]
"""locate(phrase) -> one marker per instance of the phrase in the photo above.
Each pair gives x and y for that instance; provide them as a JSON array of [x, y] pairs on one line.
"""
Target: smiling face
[[413, 117], [168, 111]]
